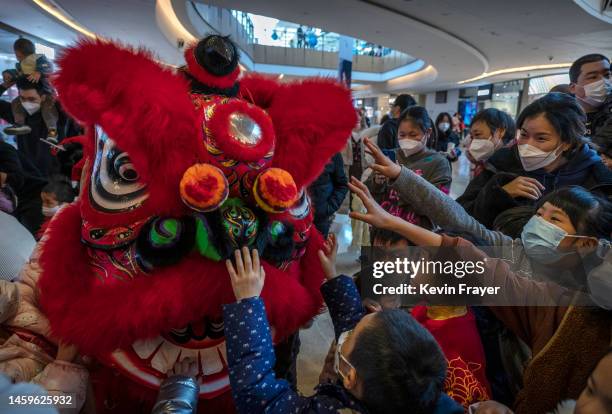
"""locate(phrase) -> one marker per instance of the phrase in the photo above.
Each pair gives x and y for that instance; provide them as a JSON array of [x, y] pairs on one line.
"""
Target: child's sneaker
[[17, 130]]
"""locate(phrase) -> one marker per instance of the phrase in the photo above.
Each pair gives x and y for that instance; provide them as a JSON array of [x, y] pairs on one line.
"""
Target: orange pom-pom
[[204, 187], [275, 190]]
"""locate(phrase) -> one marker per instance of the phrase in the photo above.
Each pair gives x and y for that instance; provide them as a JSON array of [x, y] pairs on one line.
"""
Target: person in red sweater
[[453, 327]]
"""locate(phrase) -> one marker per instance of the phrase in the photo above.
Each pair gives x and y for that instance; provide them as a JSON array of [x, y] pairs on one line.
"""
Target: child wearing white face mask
[[490, 130], [57, 193], [415, 130]]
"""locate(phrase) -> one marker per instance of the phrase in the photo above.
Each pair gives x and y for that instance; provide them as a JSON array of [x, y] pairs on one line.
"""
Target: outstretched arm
[[250, 354], [429, 201], [339, 291], [378, 217]]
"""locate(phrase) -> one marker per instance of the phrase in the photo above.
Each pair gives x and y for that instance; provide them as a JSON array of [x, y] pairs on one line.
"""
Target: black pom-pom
[[280, 242], [217, 54], [165, 241]]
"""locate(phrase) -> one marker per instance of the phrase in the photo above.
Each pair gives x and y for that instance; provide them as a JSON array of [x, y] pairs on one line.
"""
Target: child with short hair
[[54, 195], [387, 361], [36, 68]]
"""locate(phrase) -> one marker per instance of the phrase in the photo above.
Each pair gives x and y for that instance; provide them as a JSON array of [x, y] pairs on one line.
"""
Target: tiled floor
[[317, 338]]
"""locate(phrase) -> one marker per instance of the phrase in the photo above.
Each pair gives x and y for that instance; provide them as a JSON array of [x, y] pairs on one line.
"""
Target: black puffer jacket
[[327, 193], [596, 120]]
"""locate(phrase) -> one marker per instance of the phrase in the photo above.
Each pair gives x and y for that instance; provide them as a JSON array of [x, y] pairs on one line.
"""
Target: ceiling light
[[56, 11], [516, 70]]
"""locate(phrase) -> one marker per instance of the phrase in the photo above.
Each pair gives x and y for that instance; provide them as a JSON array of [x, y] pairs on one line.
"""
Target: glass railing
[[291, 36]]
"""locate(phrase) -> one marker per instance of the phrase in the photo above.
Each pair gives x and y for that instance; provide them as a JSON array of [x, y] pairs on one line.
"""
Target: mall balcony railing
[[318, 49]]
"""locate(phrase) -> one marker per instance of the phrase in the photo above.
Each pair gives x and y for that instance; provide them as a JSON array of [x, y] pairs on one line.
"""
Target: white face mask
[[534, 158], [410, 146], [50, 211], [481, 149], [596, 93], [31, 107], [444, 126]]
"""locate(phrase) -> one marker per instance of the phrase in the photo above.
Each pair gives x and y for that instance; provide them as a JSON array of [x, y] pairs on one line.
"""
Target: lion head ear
[[313, 120], [145, 108]]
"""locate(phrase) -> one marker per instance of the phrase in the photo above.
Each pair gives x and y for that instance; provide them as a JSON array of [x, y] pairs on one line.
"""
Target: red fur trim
[[258, 89], [206, 77], [99, 319], [313, 120], [144, 108], [220, 129]]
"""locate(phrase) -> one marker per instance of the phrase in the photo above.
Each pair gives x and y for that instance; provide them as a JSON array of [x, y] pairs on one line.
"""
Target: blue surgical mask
[[541, 240]]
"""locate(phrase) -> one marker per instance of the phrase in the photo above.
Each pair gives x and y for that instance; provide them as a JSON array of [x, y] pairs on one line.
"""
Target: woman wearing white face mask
[[565, 341], [490, 130], [414, 131], [550, 154]]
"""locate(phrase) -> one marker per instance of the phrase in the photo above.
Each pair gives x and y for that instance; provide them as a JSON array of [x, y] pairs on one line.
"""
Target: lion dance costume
[[182, 168]]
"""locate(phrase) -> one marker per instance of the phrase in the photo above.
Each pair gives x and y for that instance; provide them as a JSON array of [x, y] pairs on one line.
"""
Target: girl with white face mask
[[489, 131], [415, 132], [415, 129]]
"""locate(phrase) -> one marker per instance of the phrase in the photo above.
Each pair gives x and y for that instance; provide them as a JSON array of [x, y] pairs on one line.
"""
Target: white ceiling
[[460, 39], [455, 36]]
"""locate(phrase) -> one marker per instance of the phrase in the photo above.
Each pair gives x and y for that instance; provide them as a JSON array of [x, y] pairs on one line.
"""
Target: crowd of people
[[539, 201]]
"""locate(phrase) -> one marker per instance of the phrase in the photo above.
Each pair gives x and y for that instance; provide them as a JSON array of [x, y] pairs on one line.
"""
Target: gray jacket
[[446, 213], [178, 394]]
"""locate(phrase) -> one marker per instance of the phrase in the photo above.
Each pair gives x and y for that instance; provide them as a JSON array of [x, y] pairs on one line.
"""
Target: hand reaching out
[[327, 256], [248, 276], [375, 215], [382, 163]]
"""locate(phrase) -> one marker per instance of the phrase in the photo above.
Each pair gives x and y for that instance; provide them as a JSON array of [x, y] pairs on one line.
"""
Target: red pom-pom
[[275, 190], [204, 187]]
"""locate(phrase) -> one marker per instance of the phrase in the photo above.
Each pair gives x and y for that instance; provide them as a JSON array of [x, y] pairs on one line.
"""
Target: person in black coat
[[387, 136], [30, 145], [23, 180], [327, 193], [551, 154]]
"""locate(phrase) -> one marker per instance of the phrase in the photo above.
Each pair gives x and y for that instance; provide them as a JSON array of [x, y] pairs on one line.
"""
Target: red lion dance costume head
[[181, 168]]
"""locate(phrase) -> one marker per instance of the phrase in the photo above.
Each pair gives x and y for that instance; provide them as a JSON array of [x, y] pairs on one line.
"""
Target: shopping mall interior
[[455, 59]]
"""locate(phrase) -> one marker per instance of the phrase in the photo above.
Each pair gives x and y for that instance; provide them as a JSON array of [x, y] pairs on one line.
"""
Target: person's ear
[[350, 379], [572, 88]]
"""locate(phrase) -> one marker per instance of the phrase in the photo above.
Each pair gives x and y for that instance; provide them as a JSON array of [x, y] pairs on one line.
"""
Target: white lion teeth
[[165, 354], [144, 348], [165, 357], [211, 362]]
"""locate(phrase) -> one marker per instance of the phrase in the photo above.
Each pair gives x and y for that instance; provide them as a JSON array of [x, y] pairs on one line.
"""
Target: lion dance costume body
[[181, 168]]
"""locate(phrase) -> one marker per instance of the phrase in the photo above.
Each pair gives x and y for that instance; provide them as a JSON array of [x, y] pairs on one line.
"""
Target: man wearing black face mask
[[30, 144]]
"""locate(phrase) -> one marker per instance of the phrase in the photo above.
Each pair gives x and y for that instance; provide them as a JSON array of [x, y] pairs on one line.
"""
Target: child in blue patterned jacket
[[387, 362]]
